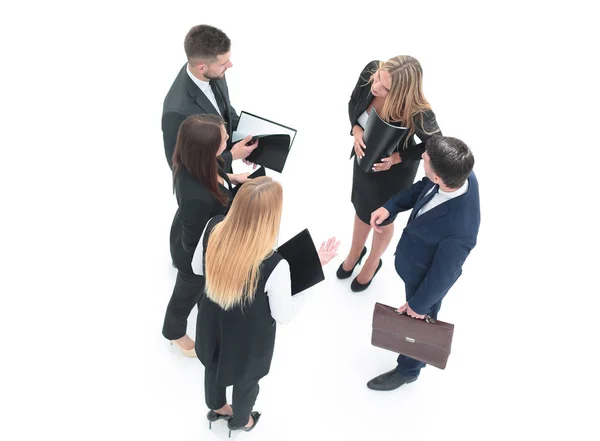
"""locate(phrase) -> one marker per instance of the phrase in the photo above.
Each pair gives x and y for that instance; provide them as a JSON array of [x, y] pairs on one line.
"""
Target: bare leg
[[359, 238], [380, 244]]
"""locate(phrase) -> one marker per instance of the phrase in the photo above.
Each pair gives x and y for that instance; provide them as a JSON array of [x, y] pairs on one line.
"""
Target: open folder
[[259, 172], [305, 265], [380, 138], [274, 140]]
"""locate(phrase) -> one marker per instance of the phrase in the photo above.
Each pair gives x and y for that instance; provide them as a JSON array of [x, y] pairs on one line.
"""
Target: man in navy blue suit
[[441, 232]]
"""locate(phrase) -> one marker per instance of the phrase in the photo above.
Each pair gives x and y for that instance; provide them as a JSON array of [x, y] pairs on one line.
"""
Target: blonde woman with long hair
[[248, 290], [395, 89]]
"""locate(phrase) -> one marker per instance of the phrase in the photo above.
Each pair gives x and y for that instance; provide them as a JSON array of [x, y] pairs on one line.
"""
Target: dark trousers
[[244, 395], [409, 367], [187, 292]]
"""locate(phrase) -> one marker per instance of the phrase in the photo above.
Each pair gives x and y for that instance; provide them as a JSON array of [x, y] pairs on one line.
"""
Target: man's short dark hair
[[205, 43], [451, 159]]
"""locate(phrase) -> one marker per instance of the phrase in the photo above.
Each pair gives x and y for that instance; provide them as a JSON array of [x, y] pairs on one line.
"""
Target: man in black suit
[[200, 87]]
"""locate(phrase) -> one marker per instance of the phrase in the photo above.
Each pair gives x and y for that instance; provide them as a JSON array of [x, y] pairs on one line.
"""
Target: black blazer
[[185, 99], [425, 123], [197, 205]]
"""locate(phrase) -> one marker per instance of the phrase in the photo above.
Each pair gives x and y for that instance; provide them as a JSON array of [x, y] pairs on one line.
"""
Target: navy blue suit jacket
[[434, 246]]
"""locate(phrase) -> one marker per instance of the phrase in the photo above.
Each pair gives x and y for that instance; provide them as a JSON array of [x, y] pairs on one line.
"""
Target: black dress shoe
[[213, 416], [358, 287], [343, 274], [389, 381], [255, 417]]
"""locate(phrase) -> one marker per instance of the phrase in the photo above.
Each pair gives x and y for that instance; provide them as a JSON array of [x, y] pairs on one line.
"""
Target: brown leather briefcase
[[426, 340]]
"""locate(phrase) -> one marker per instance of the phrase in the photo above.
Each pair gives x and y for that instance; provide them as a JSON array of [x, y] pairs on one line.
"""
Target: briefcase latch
[[410, 340]]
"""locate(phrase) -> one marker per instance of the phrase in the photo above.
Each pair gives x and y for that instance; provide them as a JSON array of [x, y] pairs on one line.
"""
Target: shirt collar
[[202, 85], [456, 193]]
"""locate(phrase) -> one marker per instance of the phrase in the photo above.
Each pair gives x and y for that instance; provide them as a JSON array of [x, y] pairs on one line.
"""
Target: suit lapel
[[426, 188], [443, 208], [364, 102], [205, 103], [199, 97], [223, 174], [434, 213]]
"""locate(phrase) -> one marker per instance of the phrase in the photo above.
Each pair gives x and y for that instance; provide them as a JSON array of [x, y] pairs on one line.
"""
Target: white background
[[87, 207]]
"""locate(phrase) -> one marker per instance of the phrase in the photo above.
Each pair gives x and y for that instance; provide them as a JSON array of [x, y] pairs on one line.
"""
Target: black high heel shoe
[[213, 416], [255, 417], [358, 287], [343, 274]]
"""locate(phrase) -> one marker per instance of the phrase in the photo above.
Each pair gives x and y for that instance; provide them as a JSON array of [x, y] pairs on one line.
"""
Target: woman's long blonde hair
[[238, 245], [405, 98]]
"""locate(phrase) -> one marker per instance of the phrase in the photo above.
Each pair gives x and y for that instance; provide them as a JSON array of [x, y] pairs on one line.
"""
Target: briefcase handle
[[428, 318]]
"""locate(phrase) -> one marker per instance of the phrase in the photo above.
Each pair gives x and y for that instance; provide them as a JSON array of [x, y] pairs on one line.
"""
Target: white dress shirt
[[441, 197], [226, 184], [204, 86], [278, 287]]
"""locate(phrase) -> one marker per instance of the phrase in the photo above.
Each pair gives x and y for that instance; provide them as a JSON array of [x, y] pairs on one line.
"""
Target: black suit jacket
[[185, 99], [197, 205], [425, 123]]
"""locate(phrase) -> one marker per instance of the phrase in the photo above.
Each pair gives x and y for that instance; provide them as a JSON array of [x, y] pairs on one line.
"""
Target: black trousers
[[187, 292], [244, 395]]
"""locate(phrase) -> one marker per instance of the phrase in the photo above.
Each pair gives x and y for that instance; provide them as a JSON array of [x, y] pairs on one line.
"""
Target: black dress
[[371, 191]]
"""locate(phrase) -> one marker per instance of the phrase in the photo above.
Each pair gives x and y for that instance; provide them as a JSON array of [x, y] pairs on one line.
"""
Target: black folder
[[257, 173], [380, 138], [274, 140], [305, 266], [272, 151]]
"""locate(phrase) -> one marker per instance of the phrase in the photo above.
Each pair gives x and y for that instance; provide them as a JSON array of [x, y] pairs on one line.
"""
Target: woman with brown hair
[[202, 189], [396, 92], [248, 290]]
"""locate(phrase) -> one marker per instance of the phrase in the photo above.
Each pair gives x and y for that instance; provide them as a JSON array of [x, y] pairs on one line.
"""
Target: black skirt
[[371, 191]]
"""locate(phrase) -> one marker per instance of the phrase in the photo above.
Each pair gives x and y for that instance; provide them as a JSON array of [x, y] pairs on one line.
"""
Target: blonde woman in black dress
[[395, 89]]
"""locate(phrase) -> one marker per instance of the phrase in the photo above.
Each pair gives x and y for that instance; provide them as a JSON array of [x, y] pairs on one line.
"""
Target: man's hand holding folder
[[251, 142], [275, 140], [241, 149]]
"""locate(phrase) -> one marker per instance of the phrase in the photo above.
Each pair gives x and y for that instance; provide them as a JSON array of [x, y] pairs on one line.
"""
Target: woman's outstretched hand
[[328, 250]]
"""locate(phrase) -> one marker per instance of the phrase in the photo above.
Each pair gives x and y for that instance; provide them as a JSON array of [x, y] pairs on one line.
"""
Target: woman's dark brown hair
[[198, 142]]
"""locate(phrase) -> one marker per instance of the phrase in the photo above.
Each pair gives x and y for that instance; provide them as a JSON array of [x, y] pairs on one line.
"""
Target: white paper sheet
[[253, 125]]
